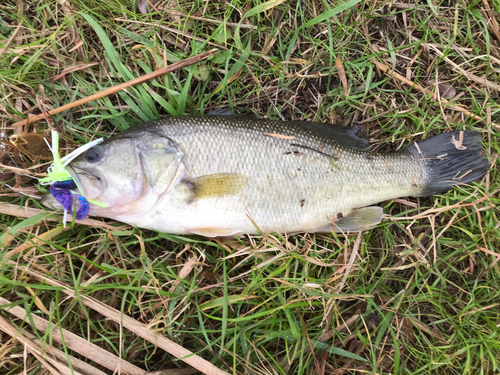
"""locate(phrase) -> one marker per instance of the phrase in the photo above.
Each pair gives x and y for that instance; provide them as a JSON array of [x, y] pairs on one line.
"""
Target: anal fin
[[360, 220], [214, 232]]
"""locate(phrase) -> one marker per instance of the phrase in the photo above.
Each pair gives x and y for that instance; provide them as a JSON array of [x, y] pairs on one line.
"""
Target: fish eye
[[94, 154]]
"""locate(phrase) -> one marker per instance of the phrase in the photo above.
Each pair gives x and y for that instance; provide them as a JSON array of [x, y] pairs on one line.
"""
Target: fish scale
[[224, 175]]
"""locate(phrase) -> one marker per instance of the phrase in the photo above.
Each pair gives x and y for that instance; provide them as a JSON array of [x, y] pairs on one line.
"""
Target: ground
[[418, 294]]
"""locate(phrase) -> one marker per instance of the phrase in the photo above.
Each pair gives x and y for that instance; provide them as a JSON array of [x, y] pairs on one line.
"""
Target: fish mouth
[[79, 174], [75, 176]]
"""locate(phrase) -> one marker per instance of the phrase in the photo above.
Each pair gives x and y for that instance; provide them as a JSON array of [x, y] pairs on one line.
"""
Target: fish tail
[[450, 159]]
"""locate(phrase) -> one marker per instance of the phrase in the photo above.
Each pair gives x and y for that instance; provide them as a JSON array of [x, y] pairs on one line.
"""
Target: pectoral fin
[[359, 220], [216, 185]]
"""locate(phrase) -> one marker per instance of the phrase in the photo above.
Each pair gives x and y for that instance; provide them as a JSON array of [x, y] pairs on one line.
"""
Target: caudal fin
[[450, 159]]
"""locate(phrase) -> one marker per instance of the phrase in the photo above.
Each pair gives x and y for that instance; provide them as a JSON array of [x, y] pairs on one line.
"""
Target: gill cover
[[160, 158], [129, 173]]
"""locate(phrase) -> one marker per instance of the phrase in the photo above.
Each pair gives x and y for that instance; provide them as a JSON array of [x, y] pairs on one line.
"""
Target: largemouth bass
[[223, 175]]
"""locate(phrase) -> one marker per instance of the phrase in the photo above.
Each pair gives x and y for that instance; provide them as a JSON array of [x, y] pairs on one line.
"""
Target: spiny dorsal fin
[[348, 136]]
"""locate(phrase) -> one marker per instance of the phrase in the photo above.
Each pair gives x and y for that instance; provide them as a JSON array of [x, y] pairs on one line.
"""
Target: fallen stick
[[466, 74], [12, 37], [15, 210], [122, 86], [387, 70], [74, 342], [134, 326], [54, 367]]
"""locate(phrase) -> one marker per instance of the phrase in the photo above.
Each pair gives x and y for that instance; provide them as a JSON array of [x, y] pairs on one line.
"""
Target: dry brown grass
[[415, 295]]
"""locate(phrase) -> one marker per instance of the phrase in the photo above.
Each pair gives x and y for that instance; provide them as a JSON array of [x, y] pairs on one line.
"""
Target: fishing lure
[[62, 185], [30, 144], [61, 191]]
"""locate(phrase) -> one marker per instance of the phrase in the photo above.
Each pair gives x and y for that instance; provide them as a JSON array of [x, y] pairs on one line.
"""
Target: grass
[[423, 293]]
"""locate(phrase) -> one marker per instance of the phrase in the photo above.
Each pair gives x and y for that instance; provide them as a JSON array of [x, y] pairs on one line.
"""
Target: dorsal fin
[[226, 112], [347, 136]]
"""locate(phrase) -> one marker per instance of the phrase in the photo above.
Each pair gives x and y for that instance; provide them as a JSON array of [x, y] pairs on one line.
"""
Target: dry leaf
[[38, 301], [458, 143], [414, 85], [235, 77], [54, 367], [146, 5], [40, 239], [492, 22], [446, 91], [342, 75], [266, 6], [76, 46], [71, 70]]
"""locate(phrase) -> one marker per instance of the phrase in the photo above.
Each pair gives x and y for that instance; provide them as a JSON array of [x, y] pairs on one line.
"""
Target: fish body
[[220, 175]]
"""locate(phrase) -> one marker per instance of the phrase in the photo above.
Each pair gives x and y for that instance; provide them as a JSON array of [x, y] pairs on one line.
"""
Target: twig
[[74, 342], [54, 368], [492, 22], [470, 76], [432, 211], [352, 258], [315, 360], [8, 42], [173, 31], [210, 20], [496, 255], [384, 68], [140, 329], [15, 210], [122, 86]]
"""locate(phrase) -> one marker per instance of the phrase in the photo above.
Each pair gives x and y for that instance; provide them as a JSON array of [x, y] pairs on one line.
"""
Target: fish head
[[109, 173], [127, 174]]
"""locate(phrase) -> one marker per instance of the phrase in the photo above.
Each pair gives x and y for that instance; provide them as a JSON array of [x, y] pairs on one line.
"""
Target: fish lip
[[75, 172]]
